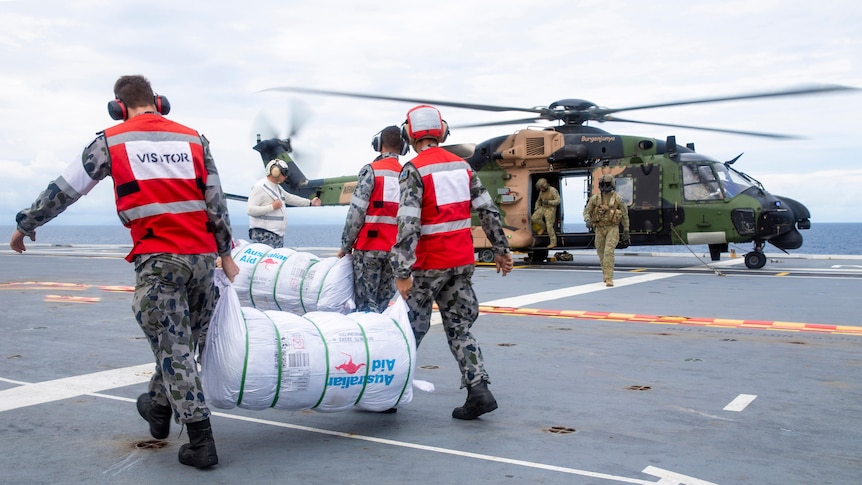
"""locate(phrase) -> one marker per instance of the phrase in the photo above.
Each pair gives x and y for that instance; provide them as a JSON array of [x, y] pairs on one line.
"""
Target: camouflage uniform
[[373, 279], [451, 288], [258, 235], [174, 293], [545, 215], [599, 214]]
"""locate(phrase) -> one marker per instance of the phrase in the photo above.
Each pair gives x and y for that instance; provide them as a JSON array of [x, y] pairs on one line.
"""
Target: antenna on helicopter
[[731, 162]]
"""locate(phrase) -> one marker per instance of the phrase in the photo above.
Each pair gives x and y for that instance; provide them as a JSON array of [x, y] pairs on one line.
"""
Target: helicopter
[[674, 194]]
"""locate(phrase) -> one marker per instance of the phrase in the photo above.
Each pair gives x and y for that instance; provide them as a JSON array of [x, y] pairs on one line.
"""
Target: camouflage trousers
[[607, 238], [174, 300], [258, 235], [452, 289], [546, 217], [373, 281]]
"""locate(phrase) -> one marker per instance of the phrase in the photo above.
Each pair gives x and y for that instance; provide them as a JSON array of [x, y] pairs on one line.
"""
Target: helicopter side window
[[699, 183], [625, 189]]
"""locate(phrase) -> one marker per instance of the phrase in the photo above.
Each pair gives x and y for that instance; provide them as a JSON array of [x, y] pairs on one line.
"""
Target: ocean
[[823, 238]]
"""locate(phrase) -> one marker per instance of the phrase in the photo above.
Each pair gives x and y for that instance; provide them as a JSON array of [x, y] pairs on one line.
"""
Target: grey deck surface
[[679, 374]]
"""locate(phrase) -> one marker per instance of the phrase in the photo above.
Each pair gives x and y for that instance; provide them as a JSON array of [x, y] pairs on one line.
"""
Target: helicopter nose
[[800, 212], [777, 223], [791, 239]]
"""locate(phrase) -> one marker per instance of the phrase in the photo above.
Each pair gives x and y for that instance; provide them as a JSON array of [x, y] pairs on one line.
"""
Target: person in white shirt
[[266, 205]]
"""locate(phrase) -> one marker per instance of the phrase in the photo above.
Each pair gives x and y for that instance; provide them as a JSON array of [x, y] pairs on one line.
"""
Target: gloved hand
[[589, 225], [626, 236]]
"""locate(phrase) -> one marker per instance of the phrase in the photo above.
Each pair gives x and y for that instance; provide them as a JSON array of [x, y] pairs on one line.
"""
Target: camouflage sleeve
[[216, 203], [489, 215], [588, 209], [358, 208], [76, 181], [555, 197], [403, 255]]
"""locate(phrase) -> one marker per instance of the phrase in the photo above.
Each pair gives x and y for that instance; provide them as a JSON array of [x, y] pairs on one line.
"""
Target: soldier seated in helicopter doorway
[[606, 213], [545, 214]]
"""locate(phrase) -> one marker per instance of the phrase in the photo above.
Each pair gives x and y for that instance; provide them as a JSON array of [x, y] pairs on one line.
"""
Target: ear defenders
[[377, 144], [118, 111], [276, 168]]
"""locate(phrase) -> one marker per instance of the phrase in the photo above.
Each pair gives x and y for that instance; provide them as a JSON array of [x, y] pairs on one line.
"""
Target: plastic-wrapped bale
[[324, 361], [293, 281], [247, 258]]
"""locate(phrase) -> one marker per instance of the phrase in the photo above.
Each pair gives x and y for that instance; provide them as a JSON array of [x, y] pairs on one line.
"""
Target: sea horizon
[[822, 238]]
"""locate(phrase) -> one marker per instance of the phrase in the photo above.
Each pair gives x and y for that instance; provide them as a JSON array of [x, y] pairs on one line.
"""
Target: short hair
[[135, 91], [391, 137]]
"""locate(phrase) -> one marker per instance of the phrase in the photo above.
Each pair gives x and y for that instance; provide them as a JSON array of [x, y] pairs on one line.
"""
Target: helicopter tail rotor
[[272, 141]]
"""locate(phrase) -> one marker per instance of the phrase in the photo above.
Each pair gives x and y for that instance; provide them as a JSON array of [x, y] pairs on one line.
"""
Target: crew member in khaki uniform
[[545, 215], [605, 213]]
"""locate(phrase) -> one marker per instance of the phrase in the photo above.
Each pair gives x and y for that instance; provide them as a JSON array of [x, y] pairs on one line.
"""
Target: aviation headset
[[118, 110], [276, 168], [424, 121], [377, 143]]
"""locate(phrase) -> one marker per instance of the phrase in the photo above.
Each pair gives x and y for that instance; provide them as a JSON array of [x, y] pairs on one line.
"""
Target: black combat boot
[[479, 401], [157, 415], [200, 451]]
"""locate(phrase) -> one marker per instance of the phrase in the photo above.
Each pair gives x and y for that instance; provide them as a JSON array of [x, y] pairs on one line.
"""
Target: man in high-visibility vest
[[433, 256]]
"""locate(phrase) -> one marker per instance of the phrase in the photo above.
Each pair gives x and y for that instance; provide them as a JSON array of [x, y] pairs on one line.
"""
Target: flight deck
[[684, 372]]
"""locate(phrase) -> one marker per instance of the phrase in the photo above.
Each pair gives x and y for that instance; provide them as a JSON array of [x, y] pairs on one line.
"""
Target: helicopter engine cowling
[[570, 155]]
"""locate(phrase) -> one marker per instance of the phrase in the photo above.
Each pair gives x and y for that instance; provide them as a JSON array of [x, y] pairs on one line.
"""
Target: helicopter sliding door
[[640, 186]]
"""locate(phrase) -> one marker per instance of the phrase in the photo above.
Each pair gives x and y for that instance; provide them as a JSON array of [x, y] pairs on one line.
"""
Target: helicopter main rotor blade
[[481, 107], [819, 89], [501, 123], [703, 128]]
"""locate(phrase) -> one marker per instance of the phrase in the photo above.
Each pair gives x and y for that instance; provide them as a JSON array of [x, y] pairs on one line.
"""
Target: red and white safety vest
[[381, 229], [159, 184], [445, 240]]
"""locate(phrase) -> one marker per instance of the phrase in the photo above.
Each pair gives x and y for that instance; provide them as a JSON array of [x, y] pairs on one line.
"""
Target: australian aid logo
[[380, 371]]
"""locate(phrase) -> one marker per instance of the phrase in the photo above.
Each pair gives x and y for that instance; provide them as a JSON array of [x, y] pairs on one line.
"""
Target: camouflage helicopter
[[674, 194]]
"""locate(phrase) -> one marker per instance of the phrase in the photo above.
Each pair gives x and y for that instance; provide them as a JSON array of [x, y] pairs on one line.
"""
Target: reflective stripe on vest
[[159, 183], [380, 229]]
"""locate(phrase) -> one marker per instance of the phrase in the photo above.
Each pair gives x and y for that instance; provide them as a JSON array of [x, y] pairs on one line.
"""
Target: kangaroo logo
[[266, 262], [349, 366]]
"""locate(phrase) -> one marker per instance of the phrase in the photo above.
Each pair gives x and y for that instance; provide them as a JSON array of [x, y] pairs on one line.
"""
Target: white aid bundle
[[292, 281], [324, 361]]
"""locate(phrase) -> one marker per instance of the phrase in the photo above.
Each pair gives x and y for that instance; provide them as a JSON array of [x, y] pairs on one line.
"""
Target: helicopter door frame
[[574, 194]]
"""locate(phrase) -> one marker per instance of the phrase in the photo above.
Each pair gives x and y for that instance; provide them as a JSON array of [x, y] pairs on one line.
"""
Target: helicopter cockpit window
[[699, 183], [734, 183]]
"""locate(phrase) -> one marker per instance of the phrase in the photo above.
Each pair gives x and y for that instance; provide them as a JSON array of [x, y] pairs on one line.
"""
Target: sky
[[213, 59]]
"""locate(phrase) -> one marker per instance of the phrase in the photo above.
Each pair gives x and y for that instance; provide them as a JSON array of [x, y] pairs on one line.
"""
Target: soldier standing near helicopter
[[605, 213], [433, 254], [370, 229], [545, 215]]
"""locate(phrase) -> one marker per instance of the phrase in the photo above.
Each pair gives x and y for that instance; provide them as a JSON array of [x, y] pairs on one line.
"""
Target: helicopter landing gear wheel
[[486, 255], [755, 260]]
